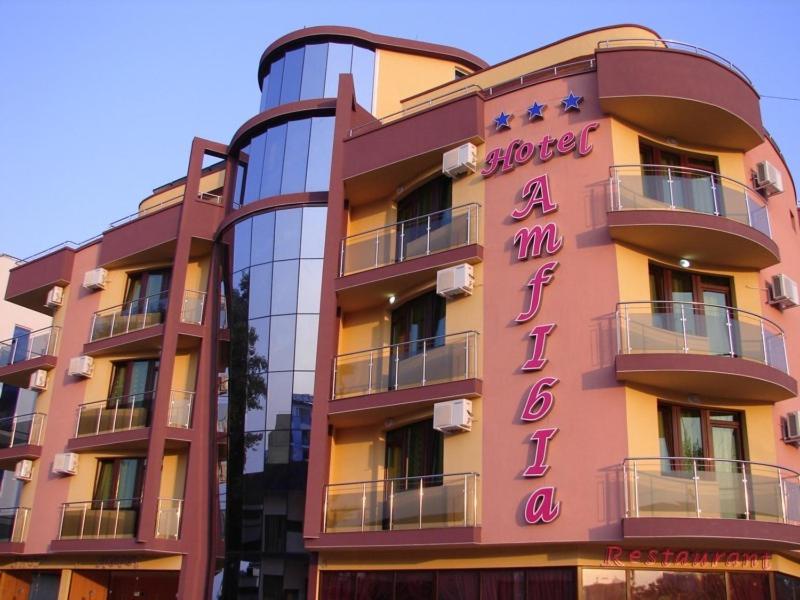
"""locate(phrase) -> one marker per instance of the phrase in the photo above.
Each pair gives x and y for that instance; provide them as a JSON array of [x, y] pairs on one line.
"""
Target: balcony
[[680, 497], [692, 214], [180, 409], [704, 349], [99, 519], [680, 91], [14, 523], [22, 355], [192, 307], [32, 278], [376, 509], [168, 518], [20, 438], [421, 371], [110, 418], [132, 326]]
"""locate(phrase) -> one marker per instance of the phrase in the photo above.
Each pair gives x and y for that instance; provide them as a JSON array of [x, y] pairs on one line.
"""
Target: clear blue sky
[[100, 99]]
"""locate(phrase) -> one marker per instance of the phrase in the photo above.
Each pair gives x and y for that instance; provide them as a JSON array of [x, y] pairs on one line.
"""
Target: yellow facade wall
[[173, 475], [173, 195]]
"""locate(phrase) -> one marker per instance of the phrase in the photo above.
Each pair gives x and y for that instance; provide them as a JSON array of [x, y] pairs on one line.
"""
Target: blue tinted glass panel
[[264, 86], [312, 244], [273, 92], [296, 156], [287, 233], [292, 74], [260, 290], [281, 348], [319, 154], [237, 192], [241, 245], [310, 284], [239, 295], [273, 161], [259, 341], [303, 385], [363, 74], [305, 353], [279, 402], [313, 85], [255, 165], [254, 454], [339, 58], [263, 238], [284, 292]]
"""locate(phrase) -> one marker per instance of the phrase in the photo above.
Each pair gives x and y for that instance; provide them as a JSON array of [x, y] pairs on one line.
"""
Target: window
[[419, 319], [133, 385], [413, 451], [699, 432], [119, 479], [147, 292], [459, 74]]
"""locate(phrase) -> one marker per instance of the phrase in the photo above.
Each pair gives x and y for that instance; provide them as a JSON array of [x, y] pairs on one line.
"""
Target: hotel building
[[431, 328]]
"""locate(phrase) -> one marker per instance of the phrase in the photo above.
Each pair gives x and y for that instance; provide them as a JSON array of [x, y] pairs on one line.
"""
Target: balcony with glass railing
[[129, 316], [424, 362], [180, 409], [702, 349], [23, 354], [413, 238], [665, 208], [99, 519], [121, 413], [14, 523], [168, 518], [22, 430], [192, 307], [431, 501], [701, 489]]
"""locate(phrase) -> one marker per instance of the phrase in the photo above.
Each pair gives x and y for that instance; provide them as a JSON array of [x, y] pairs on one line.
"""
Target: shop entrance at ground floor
[[88, 585]]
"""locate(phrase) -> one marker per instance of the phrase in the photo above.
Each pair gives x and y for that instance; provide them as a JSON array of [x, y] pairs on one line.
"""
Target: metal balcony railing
[[448, 500], [130, 316], [153, 208], [192, 308], [180, 409], [168, 518], [120, 413], [212, 198], [660, 187], [672, 45], [22, 430], [695, 328], [422, 362], [420, 236], [14, 524], [99, 519], [34, 344], [710, 488]]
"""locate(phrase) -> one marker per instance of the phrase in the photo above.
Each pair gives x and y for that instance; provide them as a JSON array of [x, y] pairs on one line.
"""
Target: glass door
[[423, 209], [718, 322]]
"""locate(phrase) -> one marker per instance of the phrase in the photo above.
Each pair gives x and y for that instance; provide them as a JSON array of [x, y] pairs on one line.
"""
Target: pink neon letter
[[539, 401], [492, 162], [541, 506], [508, 158], [538, 189], [542, 277], [539, 335], [584, 147], [542, 438], [534, 240]]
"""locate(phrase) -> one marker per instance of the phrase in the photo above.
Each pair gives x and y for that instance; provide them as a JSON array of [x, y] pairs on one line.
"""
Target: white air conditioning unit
[[81, 366], [452, 416], [460, 161], [95, 279], [792, 427], [24, 470], [768, 178], [65, 463], [38, 380], [55, 297], [784, 292], [454, 281]]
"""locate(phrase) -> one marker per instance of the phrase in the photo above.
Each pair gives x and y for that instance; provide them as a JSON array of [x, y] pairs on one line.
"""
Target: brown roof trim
[[271, 203], [275, 114], [334, 32]]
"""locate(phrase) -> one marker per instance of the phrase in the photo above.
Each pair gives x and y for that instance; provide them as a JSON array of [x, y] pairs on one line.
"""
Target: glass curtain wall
[[312, 71], [273, 315]]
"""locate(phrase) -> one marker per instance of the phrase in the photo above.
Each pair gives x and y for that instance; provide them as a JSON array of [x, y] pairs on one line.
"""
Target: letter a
[[538, 189], [541, 507]]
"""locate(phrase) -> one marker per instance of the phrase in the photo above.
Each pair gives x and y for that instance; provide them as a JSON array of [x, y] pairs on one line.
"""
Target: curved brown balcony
[[22, 355], [679, 91], [692, 214], [680, 498], [703, 349]]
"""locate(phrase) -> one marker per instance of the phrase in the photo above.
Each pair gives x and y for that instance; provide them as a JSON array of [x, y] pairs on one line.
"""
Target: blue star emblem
[[535, 111], [571, 102], [503, 121]]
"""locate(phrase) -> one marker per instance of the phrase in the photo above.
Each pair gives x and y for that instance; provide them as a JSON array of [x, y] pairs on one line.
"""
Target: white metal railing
[[672, 45], [192, 308], [212, 198], [660, 187], [22, 430], [14, 524], [33, 344], [159, 206], [412, 238], [69, 244], [99, 519], [422, 362], [696, 328], [180, 409], [120, 413], [130, 316], [168, 519], [710, 488], [447, 500]]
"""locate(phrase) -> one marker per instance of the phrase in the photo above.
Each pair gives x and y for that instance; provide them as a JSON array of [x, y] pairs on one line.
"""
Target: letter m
[[537, 239]]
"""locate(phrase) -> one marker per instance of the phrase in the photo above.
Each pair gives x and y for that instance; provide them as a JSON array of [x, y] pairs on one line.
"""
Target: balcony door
[[418, 326], [119, 482], [132, 389], [146, 293], [423, 212], [684, 180]]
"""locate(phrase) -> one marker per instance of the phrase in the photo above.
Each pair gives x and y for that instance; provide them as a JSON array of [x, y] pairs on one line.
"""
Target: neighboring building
[[561, 370]]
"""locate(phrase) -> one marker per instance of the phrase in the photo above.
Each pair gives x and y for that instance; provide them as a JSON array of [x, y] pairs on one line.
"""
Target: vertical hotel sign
[[538, 241]]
